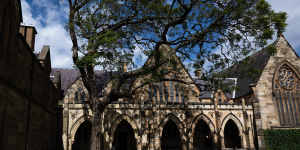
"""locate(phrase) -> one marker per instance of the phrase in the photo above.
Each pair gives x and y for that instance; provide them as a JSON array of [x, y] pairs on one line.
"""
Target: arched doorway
[[171, 139], [124, 137], [232, 137], [202, 139], [82, 137]]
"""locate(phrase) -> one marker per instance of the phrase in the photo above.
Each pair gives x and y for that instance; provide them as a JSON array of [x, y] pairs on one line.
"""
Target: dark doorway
[[231, 135], [124, 137], [203, 139], [171, 139], [82, 136]]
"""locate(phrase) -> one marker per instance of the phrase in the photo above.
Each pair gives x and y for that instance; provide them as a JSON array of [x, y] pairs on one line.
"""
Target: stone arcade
[[171, 116]]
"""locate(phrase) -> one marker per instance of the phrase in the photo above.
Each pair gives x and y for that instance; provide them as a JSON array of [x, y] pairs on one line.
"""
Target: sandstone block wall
[[28, 98], [265, 109]]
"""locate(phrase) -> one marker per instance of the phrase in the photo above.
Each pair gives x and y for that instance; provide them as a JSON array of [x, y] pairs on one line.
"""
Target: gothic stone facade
[[168, 117]]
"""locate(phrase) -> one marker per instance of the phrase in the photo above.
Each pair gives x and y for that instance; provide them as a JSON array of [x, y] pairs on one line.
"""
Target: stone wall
[[148, 121], [28, 98], [265, 109]]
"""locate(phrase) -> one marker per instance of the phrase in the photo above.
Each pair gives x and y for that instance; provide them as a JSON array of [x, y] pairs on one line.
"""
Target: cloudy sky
[[50, 16]]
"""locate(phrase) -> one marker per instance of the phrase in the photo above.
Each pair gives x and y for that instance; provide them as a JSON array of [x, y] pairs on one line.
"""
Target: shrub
[[282, 139]]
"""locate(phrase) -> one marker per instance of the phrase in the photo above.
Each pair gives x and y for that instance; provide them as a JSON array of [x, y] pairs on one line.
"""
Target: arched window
[[286, 89]]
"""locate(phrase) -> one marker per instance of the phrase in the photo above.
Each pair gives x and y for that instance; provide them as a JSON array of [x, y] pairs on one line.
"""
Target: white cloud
[[139, 57], [50, 27], [291, 7]]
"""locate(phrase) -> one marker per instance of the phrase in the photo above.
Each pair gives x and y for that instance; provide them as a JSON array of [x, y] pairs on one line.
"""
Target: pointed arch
[[206, 119], [285, 65], [233, 119], [77, 124], [286, 87], [82, 136], [179, 125], [202, 133], [131, 122], [170, 138], [173, 118], [124, 138], [232, 135], [237, 122]]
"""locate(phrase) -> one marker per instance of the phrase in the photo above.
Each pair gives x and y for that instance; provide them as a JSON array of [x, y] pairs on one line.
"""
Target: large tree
[[105, 33]]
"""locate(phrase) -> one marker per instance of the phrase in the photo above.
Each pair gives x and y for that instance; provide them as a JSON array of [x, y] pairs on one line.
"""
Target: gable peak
[[283, 48]]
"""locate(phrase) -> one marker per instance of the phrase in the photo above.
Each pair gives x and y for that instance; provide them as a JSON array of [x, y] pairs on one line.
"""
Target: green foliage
[[271, 49], [282, 139], [218, 32]]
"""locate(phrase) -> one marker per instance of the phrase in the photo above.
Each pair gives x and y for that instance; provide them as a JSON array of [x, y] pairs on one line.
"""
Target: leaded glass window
[[177, 92], [171, 91], [166, 92], [160, 92], [155, 94], [286, 89]]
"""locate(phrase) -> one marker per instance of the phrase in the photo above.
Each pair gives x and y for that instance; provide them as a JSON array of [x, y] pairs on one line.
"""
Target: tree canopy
[[111, 29], [106, 33]]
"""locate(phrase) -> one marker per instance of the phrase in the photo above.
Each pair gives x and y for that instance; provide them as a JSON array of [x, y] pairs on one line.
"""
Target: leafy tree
[[105, 33]]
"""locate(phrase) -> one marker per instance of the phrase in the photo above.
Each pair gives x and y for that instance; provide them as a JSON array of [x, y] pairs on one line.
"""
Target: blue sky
[[50, 16]]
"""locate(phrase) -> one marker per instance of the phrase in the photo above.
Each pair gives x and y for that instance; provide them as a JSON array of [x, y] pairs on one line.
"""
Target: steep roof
[[69, 76], [248, 71]]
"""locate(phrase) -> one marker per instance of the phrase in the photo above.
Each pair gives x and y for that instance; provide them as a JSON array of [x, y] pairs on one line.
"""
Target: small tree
[[105, 33]]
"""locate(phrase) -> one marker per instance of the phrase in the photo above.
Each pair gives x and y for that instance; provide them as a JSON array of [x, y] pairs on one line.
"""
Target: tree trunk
[[94, 138]]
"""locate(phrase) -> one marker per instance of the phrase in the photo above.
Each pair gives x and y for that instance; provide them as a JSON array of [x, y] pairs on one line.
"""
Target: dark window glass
[[161, 92], [171, 91], [285, 85]]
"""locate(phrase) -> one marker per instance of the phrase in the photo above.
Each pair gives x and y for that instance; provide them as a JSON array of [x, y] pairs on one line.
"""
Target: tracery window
[[166, 93], [286, 89]]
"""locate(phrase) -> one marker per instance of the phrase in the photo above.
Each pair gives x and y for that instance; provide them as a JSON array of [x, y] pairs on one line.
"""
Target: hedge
[[282, 139]]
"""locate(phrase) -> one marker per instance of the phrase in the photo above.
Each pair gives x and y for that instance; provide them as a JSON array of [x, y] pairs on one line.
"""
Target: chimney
[[123, 67], [57, 80], [29, 33], [44, 58]]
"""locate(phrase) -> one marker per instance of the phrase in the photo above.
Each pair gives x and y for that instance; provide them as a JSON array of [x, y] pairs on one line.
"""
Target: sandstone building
[[28, 98], [165, 115], [169, 115]]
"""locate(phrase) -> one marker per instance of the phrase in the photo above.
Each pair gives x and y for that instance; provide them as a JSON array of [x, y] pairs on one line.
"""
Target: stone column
[[65, 133], [243, 140], [156, 142], [245, 119], [215, 139], [222, 142]]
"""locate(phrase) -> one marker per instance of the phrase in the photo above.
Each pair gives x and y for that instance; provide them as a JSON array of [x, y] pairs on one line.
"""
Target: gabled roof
[[248, 71], [70, 76], [281, 36]]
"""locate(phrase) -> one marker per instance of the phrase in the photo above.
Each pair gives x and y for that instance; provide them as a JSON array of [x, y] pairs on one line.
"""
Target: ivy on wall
[[282, 139]]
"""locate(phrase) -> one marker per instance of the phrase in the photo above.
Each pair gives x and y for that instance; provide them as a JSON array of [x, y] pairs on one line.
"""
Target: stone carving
[[286, 78]]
